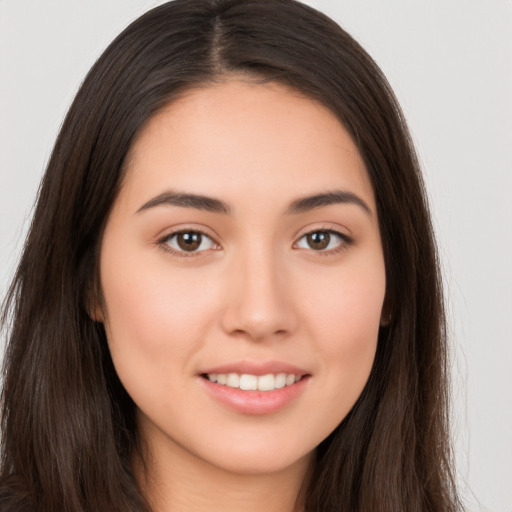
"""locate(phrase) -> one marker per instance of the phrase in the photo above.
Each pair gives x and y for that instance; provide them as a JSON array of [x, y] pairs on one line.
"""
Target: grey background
[[450, 63]]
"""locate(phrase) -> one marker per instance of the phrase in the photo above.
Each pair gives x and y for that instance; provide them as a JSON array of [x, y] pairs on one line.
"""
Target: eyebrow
[[326, 199], [184, 200], [211, 204]]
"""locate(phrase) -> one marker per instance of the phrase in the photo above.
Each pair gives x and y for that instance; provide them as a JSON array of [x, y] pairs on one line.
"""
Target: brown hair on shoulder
[[68, 425]]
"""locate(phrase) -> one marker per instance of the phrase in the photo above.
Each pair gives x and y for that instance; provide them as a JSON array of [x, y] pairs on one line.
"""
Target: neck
[[179, 482]]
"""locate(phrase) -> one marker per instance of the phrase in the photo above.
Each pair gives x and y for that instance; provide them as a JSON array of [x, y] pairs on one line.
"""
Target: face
[[243, 277]]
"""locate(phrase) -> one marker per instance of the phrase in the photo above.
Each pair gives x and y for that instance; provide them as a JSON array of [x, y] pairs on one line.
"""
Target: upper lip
[[256, 368]]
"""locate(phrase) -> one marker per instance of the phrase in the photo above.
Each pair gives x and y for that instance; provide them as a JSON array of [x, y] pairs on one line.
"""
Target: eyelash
[[163, 243], [345, 242]]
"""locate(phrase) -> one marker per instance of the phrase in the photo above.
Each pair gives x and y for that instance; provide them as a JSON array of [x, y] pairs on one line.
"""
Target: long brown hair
[[68, 426]]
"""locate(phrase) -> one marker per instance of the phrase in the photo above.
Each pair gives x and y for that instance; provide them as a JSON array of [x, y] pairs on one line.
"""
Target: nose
[[259, 305]]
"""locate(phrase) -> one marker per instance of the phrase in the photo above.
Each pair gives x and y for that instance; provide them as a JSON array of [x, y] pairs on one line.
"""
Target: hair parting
[[67, 424]]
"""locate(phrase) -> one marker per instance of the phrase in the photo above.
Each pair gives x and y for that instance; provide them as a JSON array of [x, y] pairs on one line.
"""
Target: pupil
[[319, 240], [189, 241]]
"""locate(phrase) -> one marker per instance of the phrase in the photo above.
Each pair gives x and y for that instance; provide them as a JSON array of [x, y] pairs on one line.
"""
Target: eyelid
[[163, 240], [346, 240]]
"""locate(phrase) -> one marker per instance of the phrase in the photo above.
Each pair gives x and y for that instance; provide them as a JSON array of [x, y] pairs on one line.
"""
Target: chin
[[260, 464]]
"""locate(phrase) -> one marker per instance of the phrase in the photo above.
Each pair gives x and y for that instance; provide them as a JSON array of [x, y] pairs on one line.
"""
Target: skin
[[254, 291]]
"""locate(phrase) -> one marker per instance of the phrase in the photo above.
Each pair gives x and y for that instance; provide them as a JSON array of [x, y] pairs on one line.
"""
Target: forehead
[[237, 137]]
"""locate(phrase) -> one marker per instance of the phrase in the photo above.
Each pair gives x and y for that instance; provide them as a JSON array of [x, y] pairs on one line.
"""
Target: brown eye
[[189, 241], [323, 240], [318, 240]]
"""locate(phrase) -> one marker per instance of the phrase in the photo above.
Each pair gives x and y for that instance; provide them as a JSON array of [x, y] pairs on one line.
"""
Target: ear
[[95, 312], [94, 304], [386, 316]]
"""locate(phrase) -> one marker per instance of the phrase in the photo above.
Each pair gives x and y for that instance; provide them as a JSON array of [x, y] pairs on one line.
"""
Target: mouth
[[250, 382], [255, 388]]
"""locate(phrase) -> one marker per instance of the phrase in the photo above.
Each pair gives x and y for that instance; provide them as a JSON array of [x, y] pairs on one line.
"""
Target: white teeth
[[280, 380], [266, 382], [248, 382], [233, 380]]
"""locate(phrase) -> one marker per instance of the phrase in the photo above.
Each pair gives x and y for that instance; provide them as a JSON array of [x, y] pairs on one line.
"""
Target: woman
[[229, 295]]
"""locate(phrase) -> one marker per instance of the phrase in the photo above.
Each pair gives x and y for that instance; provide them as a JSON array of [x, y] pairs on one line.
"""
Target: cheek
[[152, 319], [343, 316], [346, 306]]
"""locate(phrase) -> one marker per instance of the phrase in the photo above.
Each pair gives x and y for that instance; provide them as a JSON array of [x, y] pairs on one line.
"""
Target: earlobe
[[386, 315], [96, 313], [94, 306], [385, 320]]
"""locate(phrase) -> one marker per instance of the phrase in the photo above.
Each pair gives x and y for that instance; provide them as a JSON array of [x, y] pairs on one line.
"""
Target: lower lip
[[255, 402]]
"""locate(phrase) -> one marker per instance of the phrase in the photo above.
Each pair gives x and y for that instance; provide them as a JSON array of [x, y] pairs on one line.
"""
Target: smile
[[248, 393], [249, 382]]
